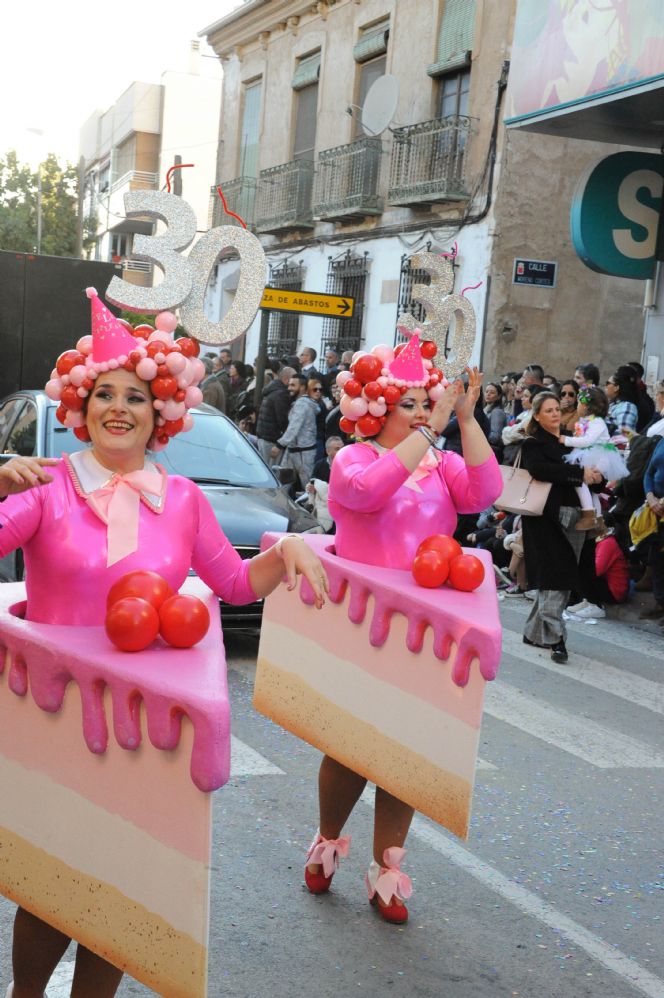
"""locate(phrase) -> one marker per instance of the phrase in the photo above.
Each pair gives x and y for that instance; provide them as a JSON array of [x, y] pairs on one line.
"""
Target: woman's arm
[[595, 430], [545, 469], [476, 448], [22, 478]]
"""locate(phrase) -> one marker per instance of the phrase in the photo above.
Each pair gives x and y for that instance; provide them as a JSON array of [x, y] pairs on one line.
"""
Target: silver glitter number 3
[[441, 306]]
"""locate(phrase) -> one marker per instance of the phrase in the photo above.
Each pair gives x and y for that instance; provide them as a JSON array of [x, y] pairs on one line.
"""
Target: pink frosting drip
[[168, 683], [468, 620]]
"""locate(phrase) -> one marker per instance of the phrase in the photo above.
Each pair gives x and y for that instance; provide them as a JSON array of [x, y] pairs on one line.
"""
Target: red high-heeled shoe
[[326, 853], [388, 887]]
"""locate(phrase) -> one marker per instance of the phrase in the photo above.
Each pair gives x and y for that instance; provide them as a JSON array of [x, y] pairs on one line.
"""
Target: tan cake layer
[[432, 791], [118, 929]]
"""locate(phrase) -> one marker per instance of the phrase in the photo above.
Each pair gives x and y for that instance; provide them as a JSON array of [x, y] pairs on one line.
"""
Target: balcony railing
[[240, 197], [284, 197], [428, 160], [137, 180], [347, 180]]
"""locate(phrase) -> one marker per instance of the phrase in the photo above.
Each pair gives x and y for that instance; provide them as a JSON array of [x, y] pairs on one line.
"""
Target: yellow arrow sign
[[308, 302]]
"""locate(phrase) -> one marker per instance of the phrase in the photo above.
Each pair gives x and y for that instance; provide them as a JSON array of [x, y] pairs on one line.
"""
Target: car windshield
[[214, 451]]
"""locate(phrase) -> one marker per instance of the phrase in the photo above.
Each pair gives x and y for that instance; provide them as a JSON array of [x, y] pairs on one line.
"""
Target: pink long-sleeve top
[[65, 549], [381, 518]]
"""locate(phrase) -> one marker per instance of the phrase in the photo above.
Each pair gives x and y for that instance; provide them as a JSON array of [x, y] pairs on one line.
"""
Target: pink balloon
[[173, 410], [166, 321], [343, 377], [175, 363], [193, 397], [54, 389], [353, 408], [158, 335], [357, 355], [378, 408], [187, 422], [84, 345], [146, 369], [436, 392], [196, 370], [384, 353], [158, 404]]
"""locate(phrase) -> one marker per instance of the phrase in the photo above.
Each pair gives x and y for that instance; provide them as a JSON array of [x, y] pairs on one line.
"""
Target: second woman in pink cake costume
[[87, 520], [387, 493]]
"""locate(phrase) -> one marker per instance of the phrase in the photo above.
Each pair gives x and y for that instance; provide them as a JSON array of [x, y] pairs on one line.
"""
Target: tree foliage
[[19, 186]]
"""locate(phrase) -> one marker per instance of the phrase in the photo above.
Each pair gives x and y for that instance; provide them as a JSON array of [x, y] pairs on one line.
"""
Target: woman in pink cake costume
[[387, 493], [86, 520]]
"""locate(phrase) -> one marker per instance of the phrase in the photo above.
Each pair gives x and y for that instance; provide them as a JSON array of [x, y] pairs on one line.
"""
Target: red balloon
[[373, 390], [353, 388], [430, 569], [428, 349], [180, 396], [466, 572], [392, 394], [146, 585], [157, 346], [189, 347], [67, 360], [443, 544], [368, 425], [347, 425], [81, 433], [173, 426], [162, 371], [183, 621], [143, 331], [164, 388], [61, 413], [367, 368], [399, 348], [132, 624], [71, 399]]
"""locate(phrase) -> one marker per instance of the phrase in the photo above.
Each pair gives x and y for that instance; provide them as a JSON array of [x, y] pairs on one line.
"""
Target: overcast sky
[[62, 61]]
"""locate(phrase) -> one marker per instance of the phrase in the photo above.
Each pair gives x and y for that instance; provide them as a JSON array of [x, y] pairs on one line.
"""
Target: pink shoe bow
[[327, 852], [391, 881], [117, 505]]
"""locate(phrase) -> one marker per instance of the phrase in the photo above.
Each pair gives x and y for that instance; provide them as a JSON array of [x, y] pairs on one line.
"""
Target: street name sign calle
[[540, 273], [308, 303]]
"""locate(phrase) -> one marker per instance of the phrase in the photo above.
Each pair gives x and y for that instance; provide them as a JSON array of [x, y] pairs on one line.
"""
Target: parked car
[[244, 493]]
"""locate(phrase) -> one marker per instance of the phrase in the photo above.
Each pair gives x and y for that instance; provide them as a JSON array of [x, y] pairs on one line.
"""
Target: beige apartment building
[[343, 195]]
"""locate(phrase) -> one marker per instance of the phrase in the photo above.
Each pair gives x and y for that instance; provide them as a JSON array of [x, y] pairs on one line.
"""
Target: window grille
[[346, 275], [284, 327]]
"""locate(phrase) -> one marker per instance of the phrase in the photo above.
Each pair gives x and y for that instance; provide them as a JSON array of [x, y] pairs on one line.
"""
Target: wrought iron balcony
[[240, 197], [347, 180], [428, 160], [284, 197]]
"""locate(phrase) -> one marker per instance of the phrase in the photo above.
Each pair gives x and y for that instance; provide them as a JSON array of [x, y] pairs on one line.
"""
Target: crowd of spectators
[[295, 424]]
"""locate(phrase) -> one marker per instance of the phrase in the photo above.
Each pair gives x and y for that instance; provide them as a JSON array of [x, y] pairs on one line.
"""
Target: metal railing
[[144, 266], [347, 180], [428, 160], [284, 197], [137, 180], [240, 195]]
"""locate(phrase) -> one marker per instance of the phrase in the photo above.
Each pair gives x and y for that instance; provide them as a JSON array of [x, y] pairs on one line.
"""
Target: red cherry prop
[[443, 544], [466, 572], [353, 388], [391, 394], [132, 624], [71, 399], [368, 425], [347, 425], [183, 621], [164, 388], [430, 569], [373, 390], [67, 360], [146, 585], [428, 349], [366, 368]]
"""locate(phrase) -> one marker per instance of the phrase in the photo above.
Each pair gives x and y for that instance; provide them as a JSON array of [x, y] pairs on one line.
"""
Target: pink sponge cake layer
[[388, 680], [108, 838]]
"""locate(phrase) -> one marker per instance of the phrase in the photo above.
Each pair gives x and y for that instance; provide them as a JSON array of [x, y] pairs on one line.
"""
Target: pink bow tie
[[117, 504], [424, 468]]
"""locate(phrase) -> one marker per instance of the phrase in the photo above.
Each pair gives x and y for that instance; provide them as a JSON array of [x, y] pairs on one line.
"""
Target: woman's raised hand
[[23, 473], [299, 559], [467, 400]]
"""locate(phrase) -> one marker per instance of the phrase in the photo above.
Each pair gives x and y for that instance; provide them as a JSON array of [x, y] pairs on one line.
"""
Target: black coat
[[273, 412], [550, 561]]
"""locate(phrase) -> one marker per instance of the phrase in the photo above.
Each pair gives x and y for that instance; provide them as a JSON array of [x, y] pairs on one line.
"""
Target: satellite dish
[[380, 105]]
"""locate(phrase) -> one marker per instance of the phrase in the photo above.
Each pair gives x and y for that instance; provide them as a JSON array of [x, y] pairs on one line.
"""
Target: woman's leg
[[545, 625], [391, 823], [36, 952], [339, 790], [94, 977]]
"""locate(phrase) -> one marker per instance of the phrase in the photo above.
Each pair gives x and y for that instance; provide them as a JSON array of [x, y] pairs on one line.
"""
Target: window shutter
[[373, 42], [307, 71], [455, 42]]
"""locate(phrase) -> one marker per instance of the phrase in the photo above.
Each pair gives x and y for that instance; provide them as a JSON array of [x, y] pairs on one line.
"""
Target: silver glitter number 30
[[186, 278], [441, 306]]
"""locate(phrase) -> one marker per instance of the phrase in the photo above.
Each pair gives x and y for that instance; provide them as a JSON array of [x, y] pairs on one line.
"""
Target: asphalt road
[[559, 892]]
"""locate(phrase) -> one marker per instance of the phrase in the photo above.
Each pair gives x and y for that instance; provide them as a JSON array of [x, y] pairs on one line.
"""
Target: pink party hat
[[110, 339], [408, 365]]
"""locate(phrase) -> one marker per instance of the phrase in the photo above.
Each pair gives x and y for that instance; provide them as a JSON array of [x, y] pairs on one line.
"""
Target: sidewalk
[[629, 612]]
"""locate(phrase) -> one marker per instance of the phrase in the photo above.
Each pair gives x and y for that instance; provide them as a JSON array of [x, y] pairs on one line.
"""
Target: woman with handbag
[[553, 548]]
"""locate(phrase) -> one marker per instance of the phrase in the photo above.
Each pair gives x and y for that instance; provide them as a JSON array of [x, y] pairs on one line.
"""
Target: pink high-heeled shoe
[[388, 887], [326, 853]]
